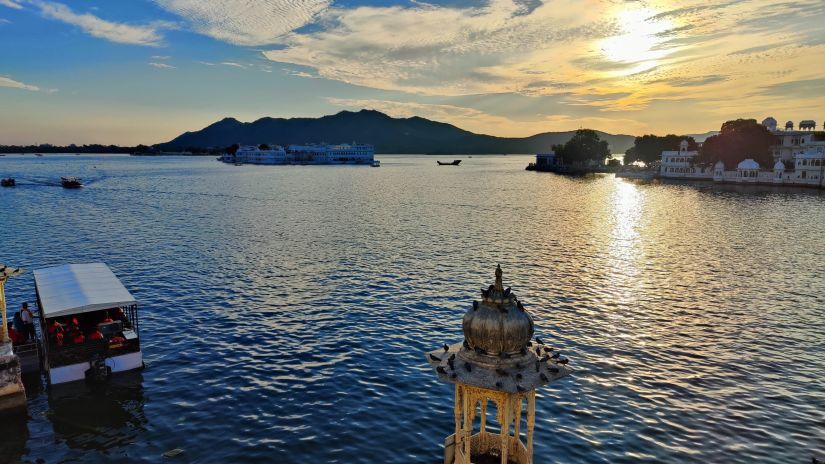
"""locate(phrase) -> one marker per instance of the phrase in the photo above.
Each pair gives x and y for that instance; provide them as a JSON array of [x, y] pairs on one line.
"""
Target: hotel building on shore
[[799, 160], [302, 154]]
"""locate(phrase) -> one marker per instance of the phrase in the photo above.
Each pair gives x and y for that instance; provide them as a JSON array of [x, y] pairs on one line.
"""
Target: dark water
[[285, 309]]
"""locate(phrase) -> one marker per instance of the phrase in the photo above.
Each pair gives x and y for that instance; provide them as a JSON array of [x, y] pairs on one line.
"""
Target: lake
[[285, 310]]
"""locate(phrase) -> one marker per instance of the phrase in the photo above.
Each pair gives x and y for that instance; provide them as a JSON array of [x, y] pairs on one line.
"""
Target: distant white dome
[[747, 165], [779, 166], [769, 122], [719, 164], [789, 125]]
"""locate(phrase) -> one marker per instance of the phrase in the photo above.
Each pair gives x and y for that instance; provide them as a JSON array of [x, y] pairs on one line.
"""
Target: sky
[[144, 71]]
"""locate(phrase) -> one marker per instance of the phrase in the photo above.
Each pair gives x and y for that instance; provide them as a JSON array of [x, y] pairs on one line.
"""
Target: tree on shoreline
[[739, 140], [648, 148], [585, 146]]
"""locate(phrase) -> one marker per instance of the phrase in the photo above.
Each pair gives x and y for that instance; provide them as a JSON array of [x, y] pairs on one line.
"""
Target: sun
[[640, 45]]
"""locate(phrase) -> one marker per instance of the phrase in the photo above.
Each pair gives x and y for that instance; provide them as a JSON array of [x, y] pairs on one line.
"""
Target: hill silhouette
[[387, 134]]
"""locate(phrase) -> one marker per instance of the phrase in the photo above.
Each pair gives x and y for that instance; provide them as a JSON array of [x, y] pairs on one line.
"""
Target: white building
[[790, 142], [802, 164], [682, 164], [303, 154]]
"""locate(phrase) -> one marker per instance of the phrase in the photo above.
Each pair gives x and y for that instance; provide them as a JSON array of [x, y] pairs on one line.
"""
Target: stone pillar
[[12, 392]]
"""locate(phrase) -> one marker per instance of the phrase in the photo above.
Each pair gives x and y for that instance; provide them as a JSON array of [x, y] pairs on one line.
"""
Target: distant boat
[[376, 164], [8, 182], [38, 154], [444, 163], [71, 182]]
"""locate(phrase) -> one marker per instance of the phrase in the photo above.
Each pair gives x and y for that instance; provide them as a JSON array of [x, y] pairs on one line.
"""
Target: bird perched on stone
[[543, 377], [547, 349], [498, 384], [452, 357], [538, 351], [520, 306], [466, 344], [441, 370], [468, 367], [538, 340], [501, 372], [446, 347], [450, 363], [480, 351], [538, 365], [520, 388], [435, 358], [544, 358], [475, 305], [553, 369], [562, 361], [518, 376], [506, 292], [555, 356], [484, 293]]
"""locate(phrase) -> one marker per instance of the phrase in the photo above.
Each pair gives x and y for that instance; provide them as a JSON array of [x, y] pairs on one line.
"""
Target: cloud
[[147, 35], [161, 57], [612, 56], [9, 82], [15, 4], [234, 64], [161, 65], [246, 22], [4, 21]]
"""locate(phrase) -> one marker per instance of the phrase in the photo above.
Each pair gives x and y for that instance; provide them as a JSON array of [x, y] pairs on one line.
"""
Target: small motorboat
[[8, 182], [38, 154], [71, 182], [376, 164], [453, 163]]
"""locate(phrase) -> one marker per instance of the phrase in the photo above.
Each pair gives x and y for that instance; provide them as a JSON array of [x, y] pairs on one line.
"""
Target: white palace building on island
[[798, 155]]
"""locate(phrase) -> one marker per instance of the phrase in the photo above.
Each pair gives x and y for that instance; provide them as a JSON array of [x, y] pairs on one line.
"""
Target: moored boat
[[8, 182], [376, 164], [445, 163], [71, 182], [88, 321]]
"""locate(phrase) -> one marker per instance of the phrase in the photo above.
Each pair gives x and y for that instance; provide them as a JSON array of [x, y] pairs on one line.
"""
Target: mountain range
[[387, 134]]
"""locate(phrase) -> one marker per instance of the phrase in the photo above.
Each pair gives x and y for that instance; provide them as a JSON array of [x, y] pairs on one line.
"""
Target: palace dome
[[747, 165], [498, 323], [779, 166]]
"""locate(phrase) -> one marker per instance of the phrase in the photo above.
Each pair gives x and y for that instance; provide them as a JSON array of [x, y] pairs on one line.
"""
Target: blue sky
[[143, 71]]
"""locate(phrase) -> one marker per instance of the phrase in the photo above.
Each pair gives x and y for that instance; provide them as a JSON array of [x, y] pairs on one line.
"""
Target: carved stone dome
[[499, 323]]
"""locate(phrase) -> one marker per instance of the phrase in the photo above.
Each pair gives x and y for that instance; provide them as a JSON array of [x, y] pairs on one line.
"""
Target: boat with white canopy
[[89, 323]]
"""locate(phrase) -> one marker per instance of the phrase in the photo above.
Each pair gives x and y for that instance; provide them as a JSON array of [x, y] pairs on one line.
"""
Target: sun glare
[[639, 43]]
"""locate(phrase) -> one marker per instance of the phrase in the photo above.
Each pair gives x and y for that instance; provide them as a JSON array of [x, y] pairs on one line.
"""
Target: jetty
[[12, 391]]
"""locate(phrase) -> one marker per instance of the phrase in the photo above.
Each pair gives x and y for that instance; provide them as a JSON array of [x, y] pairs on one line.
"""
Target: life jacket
[[78, 338], [117, 339], [96, 335], [58, 339]]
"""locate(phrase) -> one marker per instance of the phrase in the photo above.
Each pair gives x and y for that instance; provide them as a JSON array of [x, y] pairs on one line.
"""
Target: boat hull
[[74, 372]]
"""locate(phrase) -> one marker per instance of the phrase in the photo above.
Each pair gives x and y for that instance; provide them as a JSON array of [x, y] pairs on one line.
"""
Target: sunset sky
[[140, 71]]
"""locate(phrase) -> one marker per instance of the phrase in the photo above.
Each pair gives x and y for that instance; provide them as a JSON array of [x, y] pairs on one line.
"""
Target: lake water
[[285, 310]]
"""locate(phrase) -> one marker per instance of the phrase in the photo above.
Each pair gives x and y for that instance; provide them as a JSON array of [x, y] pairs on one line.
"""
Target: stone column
[[531, 422], [505, 431]]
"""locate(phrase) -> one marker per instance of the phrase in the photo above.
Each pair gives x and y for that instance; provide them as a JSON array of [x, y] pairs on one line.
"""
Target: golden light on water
[[640, 44]]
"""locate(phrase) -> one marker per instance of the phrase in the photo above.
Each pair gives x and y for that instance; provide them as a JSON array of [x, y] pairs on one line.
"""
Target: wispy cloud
[[246, 22], [155, 64], [147, 35], [161, 57], [234, 64], [4, 21], [11, 4], [9, 82]]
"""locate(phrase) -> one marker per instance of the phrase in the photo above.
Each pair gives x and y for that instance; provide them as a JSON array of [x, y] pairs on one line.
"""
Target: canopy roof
[[79, 288]]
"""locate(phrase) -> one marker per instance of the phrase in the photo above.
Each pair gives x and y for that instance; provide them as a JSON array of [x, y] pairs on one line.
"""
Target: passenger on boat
[[19, 327], [106, 319], [117, 339], [15, 336], [54, 328], [28, 320], [78, 338], [58, 339], [96, 335]]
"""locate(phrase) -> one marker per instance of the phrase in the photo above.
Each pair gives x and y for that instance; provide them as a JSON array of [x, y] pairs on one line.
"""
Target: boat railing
[[82, 352]]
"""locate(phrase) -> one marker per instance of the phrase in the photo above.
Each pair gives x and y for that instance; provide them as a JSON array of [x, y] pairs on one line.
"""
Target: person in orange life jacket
[[54, 327], [58, 339], [28, 320], [78, 338], [96, 335], [106, 319], [15, 336]]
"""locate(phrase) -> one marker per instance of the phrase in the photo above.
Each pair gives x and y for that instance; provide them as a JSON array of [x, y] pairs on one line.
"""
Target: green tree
[[232, 149], [263, 146], [583, 147], [739, 140], [648, 148]]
